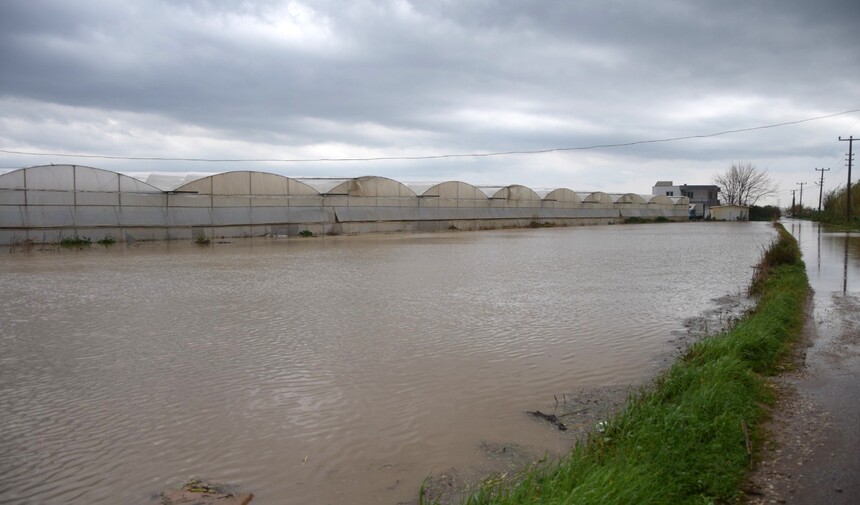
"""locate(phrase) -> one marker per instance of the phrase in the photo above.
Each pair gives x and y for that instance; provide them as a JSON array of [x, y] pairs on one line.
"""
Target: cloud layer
[[325, 79]]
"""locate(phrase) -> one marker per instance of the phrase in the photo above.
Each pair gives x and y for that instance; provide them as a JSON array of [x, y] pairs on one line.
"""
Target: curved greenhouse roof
[[249, 183], [73, 178], [455, 190], [367, 186], [562, 195], [168, 181], [323, 185], [596, 197], [627, 198], [661, 200], [514, 192]]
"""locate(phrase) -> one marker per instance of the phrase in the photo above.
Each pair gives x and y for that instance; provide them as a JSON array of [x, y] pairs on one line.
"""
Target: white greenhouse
[[44, 204]]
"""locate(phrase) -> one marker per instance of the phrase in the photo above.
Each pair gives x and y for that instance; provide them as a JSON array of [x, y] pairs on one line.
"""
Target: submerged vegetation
[[538, 224], [107, 240], [75, 241], [642, 220], [690, 436]]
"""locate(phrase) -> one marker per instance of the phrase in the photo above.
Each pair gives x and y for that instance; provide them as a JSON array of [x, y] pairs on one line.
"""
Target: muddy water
[[832, 258], [335, 370]]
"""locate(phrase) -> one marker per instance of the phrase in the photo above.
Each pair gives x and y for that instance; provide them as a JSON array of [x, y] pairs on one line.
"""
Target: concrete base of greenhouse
[[53, 235]]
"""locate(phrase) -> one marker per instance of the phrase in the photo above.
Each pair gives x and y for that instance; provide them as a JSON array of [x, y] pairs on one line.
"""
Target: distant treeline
[[834, 206], [765, 213]]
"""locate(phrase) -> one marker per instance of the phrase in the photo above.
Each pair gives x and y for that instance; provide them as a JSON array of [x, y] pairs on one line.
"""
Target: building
[[730, 213], [702, 197]]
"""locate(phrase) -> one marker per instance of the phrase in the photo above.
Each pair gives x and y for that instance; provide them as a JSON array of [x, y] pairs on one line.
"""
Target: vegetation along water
[[689, 437]]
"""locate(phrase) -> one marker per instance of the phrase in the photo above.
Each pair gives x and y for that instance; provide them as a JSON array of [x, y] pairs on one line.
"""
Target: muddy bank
[[580, 412]]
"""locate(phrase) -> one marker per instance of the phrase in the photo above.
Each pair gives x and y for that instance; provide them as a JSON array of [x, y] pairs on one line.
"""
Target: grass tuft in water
[[107, 240], [75, 241]]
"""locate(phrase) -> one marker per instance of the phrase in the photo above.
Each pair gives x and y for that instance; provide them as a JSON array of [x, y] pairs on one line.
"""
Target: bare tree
[[744, 184]]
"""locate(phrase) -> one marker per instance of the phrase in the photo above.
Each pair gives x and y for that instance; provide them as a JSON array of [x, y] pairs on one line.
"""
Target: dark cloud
[[429, 77]]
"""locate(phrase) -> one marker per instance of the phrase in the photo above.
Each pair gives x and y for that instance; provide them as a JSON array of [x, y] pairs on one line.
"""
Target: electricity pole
[[801, 196], [850, 141], [793, 191], [821, 188]]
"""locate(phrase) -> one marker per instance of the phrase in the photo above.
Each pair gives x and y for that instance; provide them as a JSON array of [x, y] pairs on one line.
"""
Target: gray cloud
[[332, 79]]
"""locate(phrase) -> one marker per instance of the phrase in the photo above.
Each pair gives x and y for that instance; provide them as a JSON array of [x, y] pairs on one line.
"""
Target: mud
[[728, 310], [579, 411]]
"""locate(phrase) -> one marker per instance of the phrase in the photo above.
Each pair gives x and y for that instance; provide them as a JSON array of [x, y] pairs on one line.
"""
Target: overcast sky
[[336, 79]]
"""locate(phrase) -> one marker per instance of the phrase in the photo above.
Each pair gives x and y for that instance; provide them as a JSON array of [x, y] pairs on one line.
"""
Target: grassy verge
[[689, 437]]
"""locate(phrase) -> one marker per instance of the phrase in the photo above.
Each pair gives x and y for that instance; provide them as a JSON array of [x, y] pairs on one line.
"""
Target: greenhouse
[[45, 204]]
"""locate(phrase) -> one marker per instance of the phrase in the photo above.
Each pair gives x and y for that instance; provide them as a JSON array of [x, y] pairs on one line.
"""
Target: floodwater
[[832, 258], [330, 370]]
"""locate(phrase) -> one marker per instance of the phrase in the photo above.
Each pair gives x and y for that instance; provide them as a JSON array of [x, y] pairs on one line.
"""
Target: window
[[670, 193]]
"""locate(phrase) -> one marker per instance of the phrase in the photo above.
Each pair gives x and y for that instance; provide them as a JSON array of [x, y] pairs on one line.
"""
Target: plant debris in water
[[203, 492], [550, 418]]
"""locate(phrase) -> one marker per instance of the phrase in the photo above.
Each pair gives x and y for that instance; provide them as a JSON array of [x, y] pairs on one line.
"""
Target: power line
[[431, 157]]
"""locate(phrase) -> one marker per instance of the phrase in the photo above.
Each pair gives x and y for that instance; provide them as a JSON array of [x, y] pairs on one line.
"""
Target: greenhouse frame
[[45, 204]]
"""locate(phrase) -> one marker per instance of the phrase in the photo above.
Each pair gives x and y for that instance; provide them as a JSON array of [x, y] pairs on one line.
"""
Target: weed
[[203, 240], [26, 245], [538, 224], [75, 241], [306, 233], [641, 220], [107, 240]]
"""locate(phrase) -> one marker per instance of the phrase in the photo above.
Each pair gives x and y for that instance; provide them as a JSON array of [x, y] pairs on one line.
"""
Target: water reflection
[[835, 254]]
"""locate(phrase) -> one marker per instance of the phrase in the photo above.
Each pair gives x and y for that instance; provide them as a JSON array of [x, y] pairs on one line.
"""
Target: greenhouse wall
[[46, 204]]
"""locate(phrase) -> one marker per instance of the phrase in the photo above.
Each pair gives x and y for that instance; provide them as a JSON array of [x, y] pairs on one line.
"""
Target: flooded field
[[331, 370]]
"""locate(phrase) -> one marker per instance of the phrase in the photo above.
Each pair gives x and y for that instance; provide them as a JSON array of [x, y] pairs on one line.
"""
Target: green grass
[[684, 438]]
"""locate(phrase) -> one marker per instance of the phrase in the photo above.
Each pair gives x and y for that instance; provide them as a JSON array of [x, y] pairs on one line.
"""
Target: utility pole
[[821, 187], [793, 191], [801, 196], [850, 141]]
